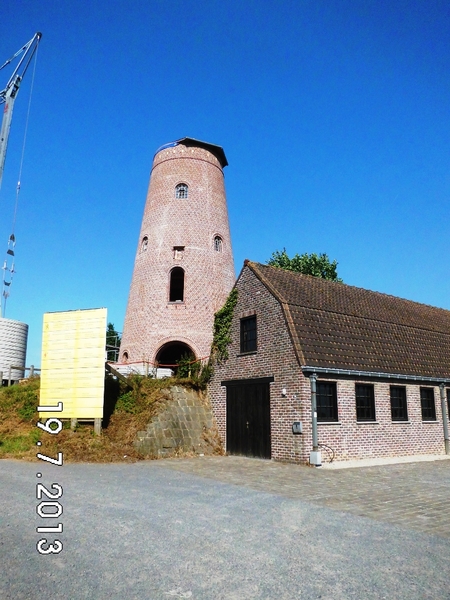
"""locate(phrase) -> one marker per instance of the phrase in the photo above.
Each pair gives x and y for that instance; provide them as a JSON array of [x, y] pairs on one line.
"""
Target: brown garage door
[[248, 417]]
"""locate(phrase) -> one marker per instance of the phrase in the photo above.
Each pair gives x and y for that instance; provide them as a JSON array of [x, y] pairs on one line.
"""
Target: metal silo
[[13, 348]]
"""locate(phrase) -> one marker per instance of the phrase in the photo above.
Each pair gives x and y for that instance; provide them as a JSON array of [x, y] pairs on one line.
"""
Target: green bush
[[127, 403], [18, 443], [188, 366], [222, 328], [21, 399], [29, 405], [193, 370]]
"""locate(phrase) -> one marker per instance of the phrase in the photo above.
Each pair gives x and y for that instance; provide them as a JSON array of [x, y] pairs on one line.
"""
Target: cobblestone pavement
[[412, 495]]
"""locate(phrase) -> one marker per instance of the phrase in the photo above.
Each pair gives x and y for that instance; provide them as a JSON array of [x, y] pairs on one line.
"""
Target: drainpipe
[[444, 419], [315, 457]]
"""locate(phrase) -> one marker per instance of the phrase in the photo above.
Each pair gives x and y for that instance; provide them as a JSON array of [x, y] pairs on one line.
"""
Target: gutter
[[444, 419], [315, 457], [369, 374]]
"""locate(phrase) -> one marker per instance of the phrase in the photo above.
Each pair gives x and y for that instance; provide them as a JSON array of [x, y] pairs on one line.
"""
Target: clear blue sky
[[334, 116]]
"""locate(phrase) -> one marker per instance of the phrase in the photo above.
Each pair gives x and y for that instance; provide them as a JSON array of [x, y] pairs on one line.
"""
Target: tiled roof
[[338, 326]]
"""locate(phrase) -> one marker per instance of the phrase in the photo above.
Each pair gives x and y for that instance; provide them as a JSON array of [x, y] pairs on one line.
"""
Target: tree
[[318, 265], [113, 339]]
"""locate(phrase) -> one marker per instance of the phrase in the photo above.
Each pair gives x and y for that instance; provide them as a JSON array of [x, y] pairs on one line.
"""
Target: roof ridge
[[255, 268]]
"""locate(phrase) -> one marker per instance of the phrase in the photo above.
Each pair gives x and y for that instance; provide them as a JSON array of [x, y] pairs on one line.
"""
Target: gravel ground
[[150, 531]]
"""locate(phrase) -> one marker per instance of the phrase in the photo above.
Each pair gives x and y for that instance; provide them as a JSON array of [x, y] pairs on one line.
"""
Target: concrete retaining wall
[[185, 424]]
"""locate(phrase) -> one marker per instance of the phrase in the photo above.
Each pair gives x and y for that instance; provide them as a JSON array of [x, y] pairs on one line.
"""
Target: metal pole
[[444, 419], [315, 440], [9, 376], [315, 456]]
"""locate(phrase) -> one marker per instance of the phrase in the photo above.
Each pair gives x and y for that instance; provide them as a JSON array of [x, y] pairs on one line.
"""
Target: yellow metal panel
[[73, 363]]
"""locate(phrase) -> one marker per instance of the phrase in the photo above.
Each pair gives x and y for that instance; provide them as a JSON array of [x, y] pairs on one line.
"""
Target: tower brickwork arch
[[182, 274]]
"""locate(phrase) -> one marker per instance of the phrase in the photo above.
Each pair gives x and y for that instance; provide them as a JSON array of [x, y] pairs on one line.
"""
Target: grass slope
[[126, 413]]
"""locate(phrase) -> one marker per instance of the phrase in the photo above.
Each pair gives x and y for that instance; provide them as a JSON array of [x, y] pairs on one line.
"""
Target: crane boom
[[9, 94]]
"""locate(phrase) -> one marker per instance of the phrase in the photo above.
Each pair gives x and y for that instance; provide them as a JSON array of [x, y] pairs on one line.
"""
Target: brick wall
[[275, 357], [384, 437], [168, 222]]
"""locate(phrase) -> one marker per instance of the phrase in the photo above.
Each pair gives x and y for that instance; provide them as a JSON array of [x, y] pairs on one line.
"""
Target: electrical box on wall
[[297, 427]]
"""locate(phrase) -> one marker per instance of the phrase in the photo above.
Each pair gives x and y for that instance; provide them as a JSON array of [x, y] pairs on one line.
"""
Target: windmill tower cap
[[187, 141]]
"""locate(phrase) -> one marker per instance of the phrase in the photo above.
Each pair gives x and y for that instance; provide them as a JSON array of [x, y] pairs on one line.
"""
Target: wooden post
[[97, 426]]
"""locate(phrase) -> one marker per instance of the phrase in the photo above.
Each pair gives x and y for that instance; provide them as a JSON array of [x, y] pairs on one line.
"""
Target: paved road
[[228, 528]]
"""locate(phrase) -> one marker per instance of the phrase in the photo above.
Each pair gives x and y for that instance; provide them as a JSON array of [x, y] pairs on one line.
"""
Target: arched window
[[176, 293], [181, 191], [125, 356], [144, 244], [218, 243]]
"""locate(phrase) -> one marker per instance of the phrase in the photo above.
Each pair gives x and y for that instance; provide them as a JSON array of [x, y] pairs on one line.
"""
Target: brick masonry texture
[[192, 223], [275, 357], [184, 424]]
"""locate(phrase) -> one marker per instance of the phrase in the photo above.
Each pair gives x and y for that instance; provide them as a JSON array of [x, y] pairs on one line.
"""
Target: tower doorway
[[169, 354]]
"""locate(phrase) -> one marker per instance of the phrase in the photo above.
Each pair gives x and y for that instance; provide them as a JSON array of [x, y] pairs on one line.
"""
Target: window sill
[[329, 423], [401, 422], [247, 353], [430, 421], [367, 422], [176, 302]]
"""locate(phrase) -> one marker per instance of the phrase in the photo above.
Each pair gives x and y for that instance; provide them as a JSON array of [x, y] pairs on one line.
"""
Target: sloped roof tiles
[[338, 326]]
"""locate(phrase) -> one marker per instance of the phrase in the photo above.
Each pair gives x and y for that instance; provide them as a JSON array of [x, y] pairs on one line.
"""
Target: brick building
[[380, 364], [183, 269]]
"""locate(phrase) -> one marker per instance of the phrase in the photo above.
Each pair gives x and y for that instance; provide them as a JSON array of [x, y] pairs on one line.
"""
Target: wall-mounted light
[[283, 392]]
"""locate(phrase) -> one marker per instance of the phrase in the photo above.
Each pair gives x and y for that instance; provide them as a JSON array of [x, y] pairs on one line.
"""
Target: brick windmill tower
[[183, 270]]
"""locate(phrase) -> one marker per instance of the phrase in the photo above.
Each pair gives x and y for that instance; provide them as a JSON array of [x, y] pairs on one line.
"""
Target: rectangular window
[[448, 403], [248, 334], [427, 404], [399, 410], [365, 402], [178, 252], [326, 397]]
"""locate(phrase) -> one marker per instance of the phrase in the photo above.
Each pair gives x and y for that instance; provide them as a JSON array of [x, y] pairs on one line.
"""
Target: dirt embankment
[[127, 411]]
